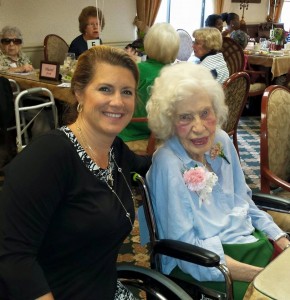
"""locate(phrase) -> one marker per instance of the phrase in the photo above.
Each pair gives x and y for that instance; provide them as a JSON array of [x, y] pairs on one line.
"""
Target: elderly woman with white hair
[[161, 44], [12, 59], [197, 185]]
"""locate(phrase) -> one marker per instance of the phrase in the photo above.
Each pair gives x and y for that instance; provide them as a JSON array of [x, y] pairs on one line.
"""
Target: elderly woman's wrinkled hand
[[27, 68]]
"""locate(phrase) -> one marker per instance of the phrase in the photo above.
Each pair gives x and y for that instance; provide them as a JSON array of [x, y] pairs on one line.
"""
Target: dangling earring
[[79, 108]]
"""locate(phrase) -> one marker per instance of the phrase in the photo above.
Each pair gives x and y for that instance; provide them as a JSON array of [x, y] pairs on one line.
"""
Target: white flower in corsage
[[201, 181], [217, 150]]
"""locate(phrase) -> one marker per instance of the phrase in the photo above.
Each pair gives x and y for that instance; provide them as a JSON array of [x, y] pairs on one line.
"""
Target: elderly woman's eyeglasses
[[187, 118], [93, 24], [7, 41]]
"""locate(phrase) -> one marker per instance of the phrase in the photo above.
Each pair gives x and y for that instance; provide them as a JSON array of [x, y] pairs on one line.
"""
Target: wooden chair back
[[275, 139], [55, 48], [236, 89], [233, 54]]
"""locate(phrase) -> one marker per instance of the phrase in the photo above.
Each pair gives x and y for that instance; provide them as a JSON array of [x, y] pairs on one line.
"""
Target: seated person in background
[[206, 47], [91, 23], [161, 45], [12, 59], [233, 23], [240, 37], [201, 196], [68, 192], [214, 20]]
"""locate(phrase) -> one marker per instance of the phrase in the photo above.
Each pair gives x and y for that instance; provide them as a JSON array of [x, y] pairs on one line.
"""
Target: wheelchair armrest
[[271, 202], [187, 252]]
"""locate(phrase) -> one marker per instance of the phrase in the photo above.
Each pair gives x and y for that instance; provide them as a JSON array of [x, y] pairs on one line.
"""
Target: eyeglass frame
[[189, 118], [94, 25], [7, 41]]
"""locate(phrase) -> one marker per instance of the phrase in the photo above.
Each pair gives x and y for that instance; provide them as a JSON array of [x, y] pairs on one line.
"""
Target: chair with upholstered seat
[[235, 58], [275, 140], [275, 147], [233, 55], [55, 48], [236, 89], [185, 48]]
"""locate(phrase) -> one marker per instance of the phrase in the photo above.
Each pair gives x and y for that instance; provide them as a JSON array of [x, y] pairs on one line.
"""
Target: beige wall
[[256, 13], [37, 18]]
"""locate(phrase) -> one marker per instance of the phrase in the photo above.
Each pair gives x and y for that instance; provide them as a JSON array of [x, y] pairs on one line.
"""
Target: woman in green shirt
[[161, 45]]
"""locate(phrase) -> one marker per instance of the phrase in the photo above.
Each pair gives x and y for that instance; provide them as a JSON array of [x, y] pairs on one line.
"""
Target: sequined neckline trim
[[100, 173]]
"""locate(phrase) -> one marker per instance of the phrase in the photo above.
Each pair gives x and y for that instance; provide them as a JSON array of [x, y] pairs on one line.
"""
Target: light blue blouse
[[230, 217]]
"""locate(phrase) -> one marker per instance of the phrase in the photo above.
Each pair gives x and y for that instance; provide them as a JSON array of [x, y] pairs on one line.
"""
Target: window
[[185, 14], [285, 15]]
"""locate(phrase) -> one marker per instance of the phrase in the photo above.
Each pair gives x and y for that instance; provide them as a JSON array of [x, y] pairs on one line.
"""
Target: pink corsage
[[201, 181], [217, 150]]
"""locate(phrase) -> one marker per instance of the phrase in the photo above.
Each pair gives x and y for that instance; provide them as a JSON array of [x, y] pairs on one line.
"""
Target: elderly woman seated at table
[[206, 47], [159, 36], [12, 59], [91, 23], [197, 185]]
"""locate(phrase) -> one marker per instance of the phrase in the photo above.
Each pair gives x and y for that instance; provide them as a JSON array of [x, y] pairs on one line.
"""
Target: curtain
[[218, 6], [275, 10], [146, 14]]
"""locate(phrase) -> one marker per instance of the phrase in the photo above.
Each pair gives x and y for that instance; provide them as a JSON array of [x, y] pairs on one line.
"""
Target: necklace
[[93, 154], [109, 180]]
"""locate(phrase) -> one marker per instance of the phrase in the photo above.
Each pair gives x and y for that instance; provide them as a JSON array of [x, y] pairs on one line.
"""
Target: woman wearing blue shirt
[[196, 182]]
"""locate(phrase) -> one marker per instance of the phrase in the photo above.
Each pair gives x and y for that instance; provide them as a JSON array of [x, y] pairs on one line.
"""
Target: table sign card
[[49, 70], [92, 43]]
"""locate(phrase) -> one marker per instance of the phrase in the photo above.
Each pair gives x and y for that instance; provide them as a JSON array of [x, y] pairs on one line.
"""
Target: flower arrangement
[[278, 36], [217, 150], [201, 181]]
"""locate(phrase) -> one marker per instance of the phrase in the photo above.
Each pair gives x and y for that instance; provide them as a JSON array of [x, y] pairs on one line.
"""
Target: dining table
[[273, 281], [60, 91], [275, 64]]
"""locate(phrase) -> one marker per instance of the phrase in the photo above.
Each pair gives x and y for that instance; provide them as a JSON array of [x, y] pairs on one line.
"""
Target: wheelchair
[[192, 253]]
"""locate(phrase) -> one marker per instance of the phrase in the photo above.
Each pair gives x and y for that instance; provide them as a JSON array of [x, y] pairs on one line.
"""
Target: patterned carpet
[[249, 147]]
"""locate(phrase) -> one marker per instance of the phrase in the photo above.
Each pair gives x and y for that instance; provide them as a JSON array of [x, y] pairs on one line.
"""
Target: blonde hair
[[161, 43], [210, 37], [176, 83]]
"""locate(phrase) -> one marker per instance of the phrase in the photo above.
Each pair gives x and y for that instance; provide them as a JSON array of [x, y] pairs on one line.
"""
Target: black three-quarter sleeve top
[[60, 225]]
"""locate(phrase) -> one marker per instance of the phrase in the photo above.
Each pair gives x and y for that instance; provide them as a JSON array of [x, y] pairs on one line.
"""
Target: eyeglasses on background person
[[6, 41]]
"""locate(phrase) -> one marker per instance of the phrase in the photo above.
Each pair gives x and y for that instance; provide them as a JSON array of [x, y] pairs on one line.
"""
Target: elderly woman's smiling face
[[195, 124], [11, 45]]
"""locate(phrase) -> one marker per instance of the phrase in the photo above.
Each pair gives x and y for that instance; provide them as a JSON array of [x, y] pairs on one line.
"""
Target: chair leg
[[235, 140]]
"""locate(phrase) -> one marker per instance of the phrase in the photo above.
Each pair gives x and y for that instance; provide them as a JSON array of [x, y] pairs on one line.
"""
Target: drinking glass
[[70, 56], [263, 43]]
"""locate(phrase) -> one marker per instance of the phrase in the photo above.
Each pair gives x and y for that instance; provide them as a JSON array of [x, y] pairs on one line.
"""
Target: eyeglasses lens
[[14, 41]]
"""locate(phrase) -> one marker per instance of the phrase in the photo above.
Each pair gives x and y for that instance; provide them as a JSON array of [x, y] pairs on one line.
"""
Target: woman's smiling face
[[195, 124], [109, 99]]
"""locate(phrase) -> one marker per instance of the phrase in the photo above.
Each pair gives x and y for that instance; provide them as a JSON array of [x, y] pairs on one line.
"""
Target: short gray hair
[[12, 30], [177, 83], [162, 42]]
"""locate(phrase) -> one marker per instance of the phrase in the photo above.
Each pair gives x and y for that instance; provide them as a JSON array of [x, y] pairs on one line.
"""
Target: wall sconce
[[244, 5]]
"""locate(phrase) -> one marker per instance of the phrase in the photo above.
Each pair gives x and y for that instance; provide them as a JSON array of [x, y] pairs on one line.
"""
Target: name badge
[[92, 43]]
